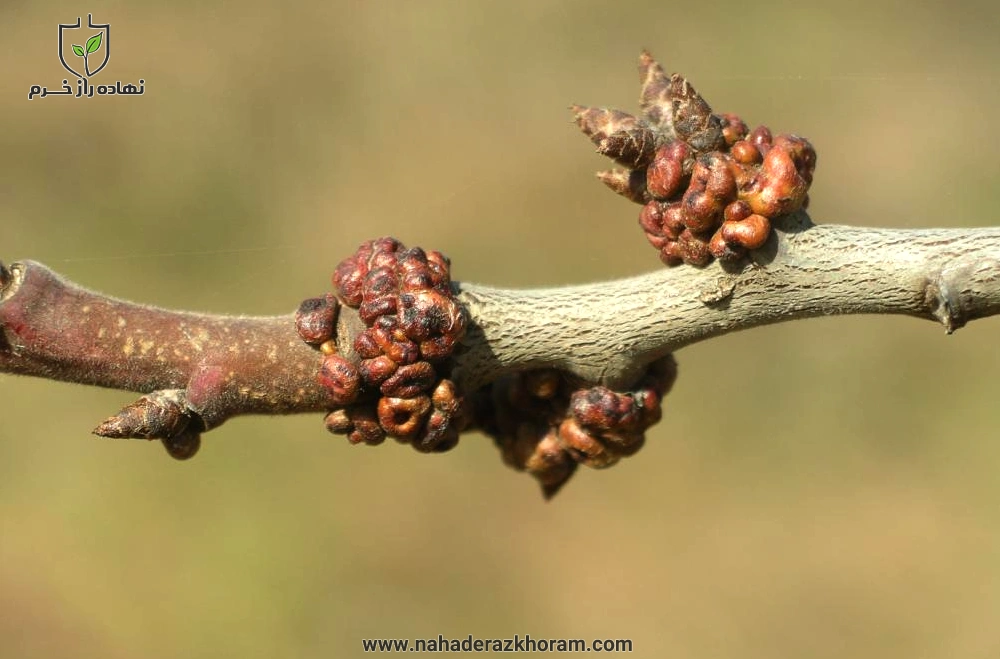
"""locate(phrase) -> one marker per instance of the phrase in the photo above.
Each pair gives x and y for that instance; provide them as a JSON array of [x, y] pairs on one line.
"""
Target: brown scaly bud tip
[[618, 135], [654, 97], [154, 416], [629, 184], [692, 116]]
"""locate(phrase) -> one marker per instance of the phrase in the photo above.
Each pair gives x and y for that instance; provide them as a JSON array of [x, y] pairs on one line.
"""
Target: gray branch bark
[[606, 332]]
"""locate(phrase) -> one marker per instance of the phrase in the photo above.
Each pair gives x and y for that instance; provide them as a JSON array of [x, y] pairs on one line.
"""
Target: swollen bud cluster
[[546, 424], [708, 185], [396, 383]]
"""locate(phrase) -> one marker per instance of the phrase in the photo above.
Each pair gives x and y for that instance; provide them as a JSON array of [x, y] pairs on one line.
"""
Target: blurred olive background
[[835, 498]]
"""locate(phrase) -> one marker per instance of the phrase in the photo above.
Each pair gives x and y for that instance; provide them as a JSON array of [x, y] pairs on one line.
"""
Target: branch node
[[937, 296], [717, 297]]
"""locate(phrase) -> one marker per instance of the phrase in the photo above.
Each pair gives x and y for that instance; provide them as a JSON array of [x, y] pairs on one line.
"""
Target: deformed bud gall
[[702, 163]]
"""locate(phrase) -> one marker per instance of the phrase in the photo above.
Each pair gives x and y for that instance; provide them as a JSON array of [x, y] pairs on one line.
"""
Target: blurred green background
[[844, 504]]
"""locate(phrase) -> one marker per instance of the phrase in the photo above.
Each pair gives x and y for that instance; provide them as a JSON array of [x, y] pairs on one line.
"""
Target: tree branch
[[607, 332], [603, 333]]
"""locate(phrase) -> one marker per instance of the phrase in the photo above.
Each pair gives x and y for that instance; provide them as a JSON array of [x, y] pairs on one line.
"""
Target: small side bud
[[157, 415]]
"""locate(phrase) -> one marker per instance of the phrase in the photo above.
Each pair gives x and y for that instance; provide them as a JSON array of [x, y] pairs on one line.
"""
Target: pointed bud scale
[[654, 97], [629, 184], [598, 123], [692, 116], [633, 147], [618, 135], [156, 415]]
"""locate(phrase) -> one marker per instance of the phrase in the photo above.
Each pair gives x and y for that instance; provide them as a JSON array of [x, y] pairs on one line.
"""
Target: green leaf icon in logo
[[93, 43], [78, 51]]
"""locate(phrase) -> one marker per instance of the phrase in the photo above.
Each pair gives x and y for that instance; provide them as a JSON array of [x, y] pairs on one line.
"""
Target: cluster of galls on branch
[[546, 424], [395, 380], [708, 185], [709, 188]]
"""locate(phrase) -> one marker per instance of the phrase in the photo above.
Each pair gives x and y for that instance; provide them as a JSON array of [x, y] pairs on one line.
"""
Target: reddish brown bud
[[445, 398], [736, 211], [693, 249], [671, 164], [438, 348], [440, 434], [674, 219], [584, 447], [377, 370], [751, 232], [550, 464], [670, 254], [384, 252], [658, 241], [760, 138], [340, 379], [733, 128], [722, 250], [745, 153], [600, 409], [712, 187], [358, 422], [338, 422], [651, 218], [315, 319], [400, 351], [366, 428], [429, 313], [409, 380], [440, 266], [366, 346], [780, 186], [403, 418]]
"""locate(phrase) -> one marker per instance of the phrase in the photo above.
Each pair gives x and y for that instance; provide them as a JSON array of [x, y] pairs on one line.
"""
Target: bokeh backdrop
[[844, 503]]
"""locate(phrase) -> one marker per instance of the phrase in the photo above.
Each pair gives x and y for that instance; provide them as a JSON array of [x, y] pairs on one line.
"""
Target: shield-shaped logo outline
[[106, 37]]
